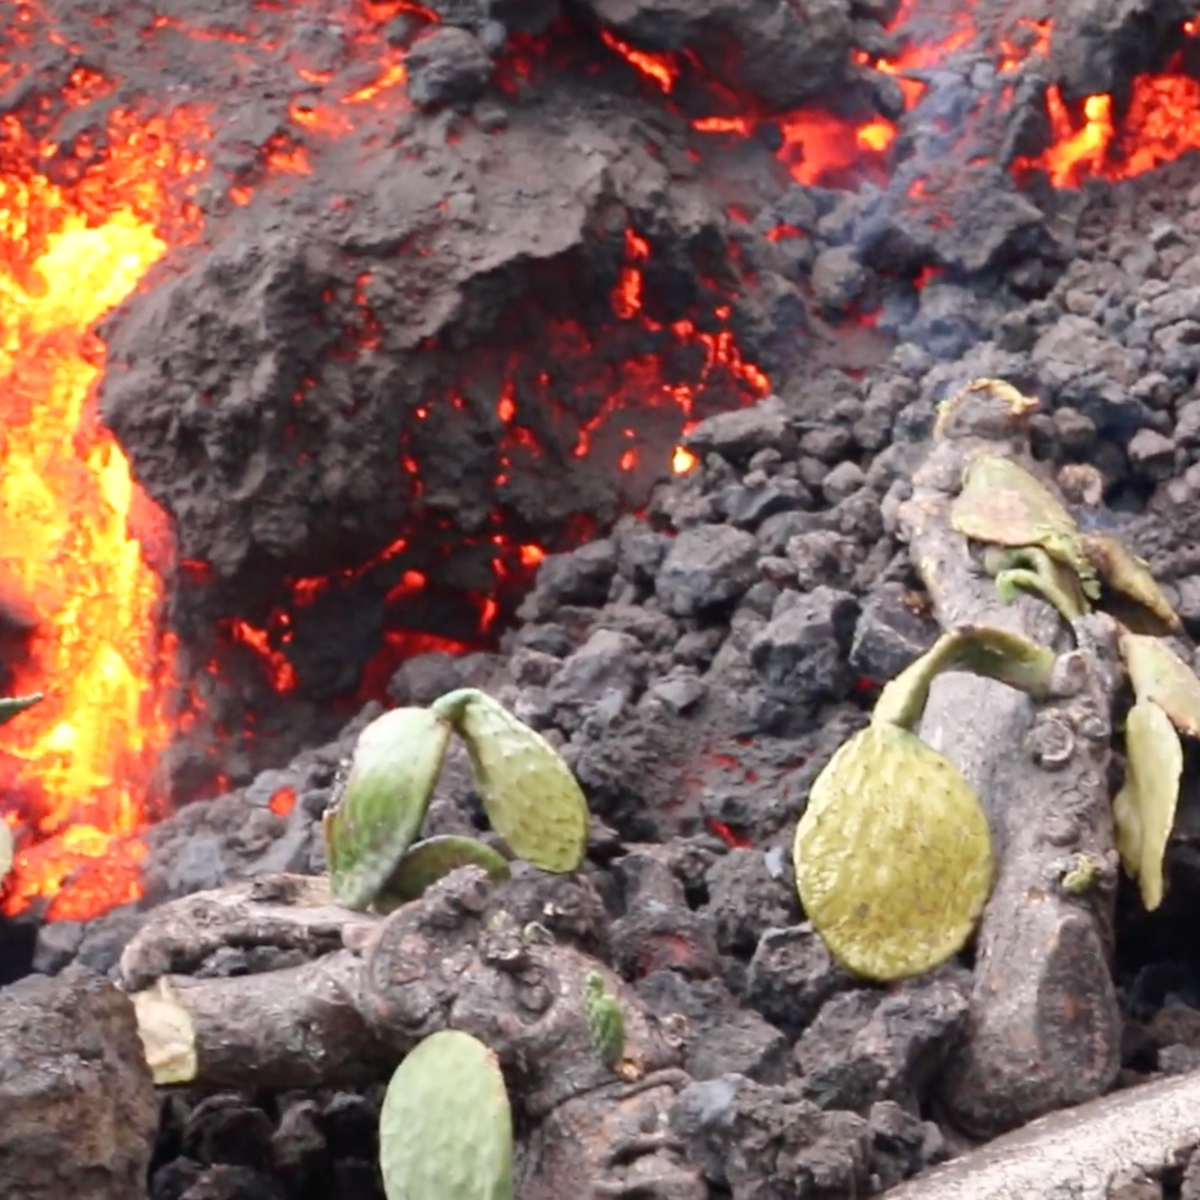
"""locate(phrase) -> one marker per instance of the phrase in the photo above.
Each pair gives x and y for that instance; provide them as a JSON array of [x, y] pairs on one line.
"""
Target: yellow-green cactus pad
[[893, 855], [1002, 504], [432, 859], [531, 798], [1129, 580], [1144, 809], [1159, 674], [379, 811], [445, 1128]]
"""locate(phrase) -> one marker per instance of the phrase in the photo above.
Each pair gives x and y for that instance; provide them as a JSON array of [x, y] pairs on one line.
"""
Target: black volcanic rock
[[447, 66], [782, 53], [78, 1113]]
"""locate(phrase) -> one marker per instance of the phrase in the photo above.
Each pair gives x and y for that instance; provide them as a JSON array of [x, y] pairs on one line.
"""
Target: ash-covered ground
[[697, 664], [698, 667]]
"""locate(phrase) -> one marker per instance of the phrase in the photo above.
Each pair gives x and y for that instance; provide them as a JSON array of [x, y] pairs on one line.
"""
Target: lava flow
[[79, 593]]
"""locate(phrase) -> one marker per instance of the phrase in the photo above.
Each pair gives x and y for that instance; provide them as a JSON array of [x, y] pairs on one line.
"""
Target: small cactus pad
[[445, 1129], [530, 796], [1031, 569], [432, 859], [1001, 503], [605, 1020], [983, 650], [379, 810], [1159, 674], [12, 706], [1130, 590], [1144, 808], [893, 855]]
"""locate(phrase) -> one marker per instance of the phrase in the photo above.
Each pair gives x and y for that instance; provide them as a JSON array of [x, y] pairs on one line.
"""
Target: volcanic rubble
[[698, 663]]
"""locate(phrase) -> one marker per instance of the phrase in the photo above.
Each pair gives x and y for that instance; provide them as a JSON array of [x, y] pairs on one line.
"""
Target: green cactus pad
[[1031, 569], [1130, 591], [1144, 808], [605, 1020], [12, 706], [383, 803], [1002, 504], [432, 859], [445, 1129], [1159, 674], [893, 855], [983, 650], [529, 794]]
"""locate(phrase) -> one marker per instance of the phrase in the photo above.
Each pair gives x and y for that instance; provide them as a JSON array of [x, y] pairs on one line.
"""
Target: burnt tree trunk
[[468, 955]]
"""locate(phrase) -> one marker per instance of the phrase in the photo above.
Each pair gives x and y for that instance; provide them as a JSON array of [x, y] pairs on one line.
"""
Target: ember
[[423, 448]]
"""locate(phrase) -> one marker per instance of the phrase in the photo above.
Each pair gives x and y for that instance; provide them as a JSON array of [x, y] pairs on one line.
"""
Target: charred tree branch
[[466, 956], [1044, 1028]]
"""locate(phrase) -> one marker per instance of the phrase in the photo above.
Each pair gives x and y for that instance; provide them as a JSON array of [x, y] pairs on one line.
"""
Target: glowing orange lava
[[76, 587], [1161, 124]]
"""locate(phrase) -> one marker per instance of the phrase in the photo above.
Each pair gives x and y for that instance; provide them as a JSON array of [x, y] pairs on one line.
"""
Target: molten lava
[[81, 547]]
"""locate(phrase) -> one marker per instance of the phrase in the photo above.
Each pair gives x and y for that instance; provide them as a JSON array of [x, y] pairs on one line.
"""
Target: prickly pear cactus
[[893, 855], [605, 1020], [1031, 569], [431, 859], [1159, 674], [383, 802], [1001, 503], [529, 794], [1144, 809], [992, 652], [445, 1129], [1131, 591]]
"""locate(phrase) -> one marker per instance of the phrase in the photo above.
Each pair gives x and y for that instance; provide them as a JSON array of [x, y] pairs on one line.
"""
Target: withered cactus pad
[[1144, 808], [1002, 504]]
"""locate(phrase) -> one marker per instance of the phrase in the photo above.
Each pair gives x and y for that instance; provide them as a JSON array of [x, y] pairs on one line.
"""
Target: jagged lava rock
[[78, 1110]]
